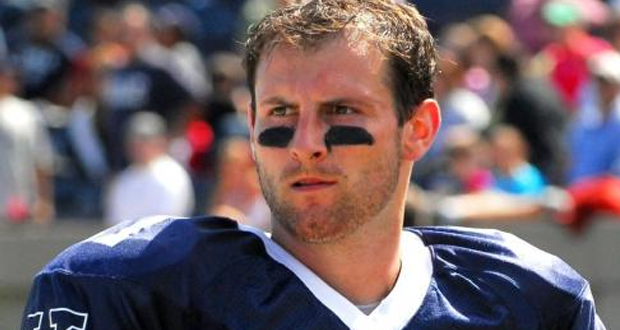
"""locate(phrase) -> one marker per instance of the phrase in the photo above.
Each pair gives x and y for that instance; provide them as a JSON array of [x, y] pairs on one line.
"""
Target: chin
[[319, 228]]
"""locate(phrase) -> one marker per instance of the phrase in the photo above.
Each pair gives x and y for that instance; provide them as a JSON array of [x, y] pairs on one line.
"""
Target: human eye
[[340, 109], [281, 111]]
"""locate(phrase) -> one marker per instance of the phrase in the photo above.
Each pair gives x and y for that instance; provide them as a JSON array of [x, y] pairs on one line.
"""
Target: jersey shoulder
[[488, 255], [167, 273], [142, 249]]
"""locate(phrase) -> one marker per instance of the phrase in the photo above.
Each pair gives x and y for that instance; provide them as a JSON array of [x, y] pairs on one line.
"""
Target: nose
[[308, 144]]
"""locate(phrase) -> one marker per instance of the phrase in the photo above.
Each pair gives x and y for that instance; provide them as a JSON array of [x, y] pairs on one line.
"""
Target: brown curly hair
[[397, 29]]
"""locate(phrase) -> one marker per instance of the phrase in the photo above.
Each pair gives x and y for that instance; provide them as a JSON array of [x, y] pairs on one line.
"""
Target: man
[[535, 108], [44, 52], [593, 134], [140, 81], [154, 183], [564, 58], [594, 172], [341, 108], [27, 156]]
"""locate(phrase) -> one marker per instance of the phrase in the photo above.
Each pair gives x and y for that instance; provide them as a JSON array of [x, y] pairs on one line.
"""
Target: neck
[[363, 266]]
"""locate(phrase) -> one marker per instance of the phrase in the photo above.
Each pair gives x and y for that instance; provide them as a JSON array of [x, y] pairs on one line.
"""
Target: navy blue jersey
[[210, 273]]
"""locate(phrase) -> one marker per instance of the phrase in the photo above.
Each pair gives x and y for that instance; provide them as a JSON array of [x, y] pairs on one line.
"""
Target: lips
[[312, 183]]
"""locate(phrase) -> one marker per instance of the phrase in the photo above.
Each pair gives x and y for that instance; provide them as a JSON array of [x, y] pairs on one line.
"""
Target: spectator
[[206, 151], [565, 58], [518, 191], [466, 170], [26, 166], [595, 132], [513, 173], [237, 193], [76, 191], [81, 14], [175, 25], [460, 106], [220, 112], [134, 83], [529, 26], [154, 183], [494, 37], [226, 74], [44, 54], [532, 106]]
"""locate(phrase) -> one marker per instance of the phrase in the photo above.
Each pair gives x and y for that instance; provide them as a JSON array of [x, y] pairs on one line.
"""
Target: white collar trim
[[394, 312]]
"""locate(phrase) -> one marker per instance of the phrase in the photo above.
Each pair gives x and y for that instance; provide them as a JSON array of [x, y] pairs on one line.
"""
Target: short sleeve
[[64, 301]]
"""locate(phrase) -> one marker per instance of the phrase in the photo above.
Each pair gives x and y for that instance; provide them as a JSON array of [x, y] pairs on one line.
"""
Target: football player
[[342, 107]]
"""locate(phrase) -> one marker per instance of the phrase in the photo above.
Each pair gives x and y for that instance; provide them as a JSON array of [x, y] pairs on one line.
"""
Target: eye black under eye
[[278, 137], [347, 135]]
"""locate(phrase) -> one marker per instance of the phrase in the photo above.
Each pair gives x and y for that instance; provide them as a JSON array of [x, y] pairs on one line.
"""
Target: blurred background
[[112, 110]]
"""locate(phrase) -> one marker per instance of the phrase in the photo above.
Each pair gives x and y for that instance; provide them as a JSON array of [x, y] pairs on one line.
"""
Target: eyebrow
[[277, 100], [340, 101]]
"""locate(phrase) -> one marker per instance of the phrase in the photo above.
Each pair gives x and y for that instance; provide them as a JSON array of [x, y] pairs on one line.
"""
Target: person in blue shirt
[[342, 106], [513, 173], [595, 131]]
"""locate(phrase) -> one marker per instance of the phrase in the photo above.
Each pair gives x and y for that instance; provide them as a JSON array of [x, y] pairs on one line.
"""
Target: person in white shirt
[[27, 156], [154, 183]]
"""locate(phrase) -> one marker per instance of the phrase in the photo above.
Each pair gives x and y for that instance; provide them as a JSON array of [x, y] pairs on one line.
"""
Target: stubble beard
[[355, 207]]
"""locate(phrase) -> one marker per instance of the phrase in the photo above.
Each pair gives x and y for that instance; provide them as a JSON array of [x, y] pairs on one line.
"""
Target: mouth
[[309, 184]]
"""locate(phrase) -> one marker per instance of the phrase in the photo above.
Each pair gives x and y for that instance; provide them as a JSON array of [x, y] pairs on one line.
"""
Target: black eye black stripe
[[347, 135], [279, 137]]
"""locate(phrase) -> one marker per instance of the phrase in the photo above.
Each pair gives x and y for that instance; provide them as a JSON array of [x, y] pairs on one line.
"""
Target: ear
[[419, 132]]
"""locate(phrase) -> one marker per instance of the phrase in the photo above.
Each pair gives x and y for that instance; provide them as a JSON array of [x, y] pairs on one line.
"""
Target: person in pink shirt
[[565, 58]]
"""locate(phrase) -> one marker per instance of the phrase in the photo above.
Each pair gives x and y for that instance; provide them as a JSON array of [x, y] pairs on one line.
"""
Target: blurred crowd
[[115, 110], [531, 112]]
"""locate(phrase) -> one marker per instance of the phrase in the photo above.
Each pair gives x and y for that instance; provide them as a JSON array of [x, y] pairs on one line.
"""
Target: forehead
[[347, 61], [352, 41]]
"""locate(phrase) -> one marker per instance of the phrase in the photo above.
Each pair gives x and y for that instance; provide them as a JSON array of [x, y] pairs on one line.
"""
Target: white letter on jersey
[[61, 319], [39, 317], [67, 319], [123, 231]]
